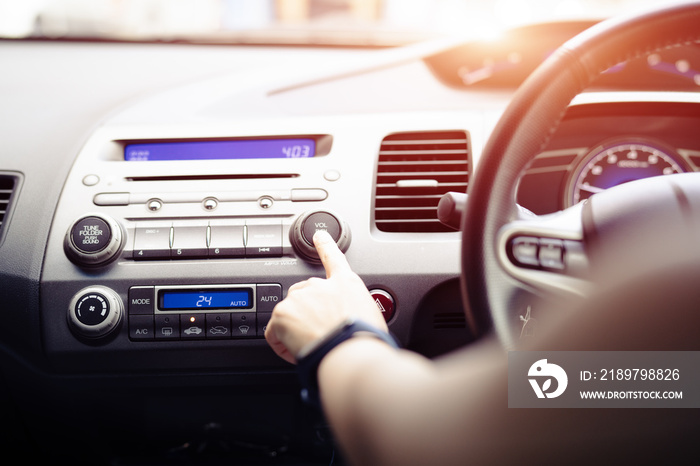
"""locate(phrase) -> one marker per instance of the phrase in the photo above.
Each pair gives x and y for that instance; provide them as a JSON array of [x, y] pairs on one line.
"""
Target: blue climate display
[[297, 148], [205, 299]]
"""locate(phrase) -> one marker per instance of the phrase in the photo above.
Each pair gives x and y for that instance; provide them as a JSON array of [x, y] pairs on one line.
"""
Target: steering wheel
[[499, 238]]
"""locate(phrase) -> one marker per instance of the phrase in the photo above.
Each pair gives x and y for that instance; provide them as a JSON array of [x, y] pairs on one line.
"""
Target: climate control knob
[[95, 312], [304, 228], [93, 240]]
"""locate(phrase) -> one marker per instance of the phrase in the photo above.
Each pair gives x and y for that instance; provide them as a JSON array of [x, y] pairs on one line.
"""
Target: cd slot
[[249, 176]]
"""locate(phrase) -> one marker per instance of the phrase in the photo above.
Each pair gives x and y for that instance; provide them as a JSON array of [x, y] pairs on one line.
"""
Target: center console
[[172, 252]]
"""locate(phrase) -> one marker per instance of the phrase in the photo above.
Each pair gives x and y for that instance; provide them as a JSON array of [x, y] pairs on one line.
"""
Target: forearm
[[368, 391]]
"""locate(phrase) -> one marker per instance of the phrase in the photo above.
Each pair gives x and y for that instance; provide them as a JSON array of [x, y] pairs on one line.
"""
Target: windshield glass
[[313, 22]]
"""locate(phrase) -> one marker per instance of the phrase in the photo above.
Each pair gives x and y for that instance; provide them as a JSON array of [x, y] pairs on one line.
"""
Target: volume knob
[[302, 233], [93, 240]]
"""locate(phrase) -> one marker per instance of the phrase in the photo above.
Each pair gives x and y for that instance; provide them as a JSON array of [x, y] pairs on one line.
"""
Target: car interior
[[158, 198]]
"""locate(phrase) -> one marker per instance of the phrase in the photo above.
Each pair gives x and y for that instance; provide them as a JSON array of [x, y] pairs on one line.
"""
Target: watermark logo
[[543, 371]]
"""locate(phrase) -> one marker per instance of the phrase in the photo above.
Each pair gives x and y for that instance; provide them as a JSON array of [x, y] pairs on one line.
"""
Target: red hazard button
[[385, 302]]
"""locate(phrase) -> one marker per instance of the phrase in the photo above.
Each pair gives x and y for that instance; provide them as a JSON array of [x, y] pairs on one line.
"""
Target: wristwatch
[[309, 358]]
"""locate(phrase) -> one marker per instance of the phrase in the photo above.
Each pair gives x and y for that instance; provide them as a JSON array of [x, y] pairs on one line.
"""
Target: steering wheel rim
[[522, 132]]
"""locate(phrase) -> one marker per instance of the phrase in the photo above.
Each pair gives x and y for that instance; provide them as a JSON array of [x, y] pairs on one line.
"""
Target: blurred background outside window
[[329, 22]]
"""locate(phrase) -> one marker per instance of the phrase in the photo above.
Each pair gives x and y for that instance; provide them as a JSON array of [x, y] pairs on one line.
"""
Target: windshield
[[312, 22]]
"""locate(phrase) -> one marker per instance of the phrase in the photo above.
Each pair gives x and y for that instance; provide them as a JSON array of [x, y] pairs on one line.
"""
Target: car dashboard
[[160, 200]]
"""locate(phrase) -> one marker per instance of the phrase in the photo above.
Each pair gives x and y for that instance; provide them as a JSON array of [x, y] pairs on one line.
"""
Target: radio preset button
[[189, 241], [226, 240], [152, 242]]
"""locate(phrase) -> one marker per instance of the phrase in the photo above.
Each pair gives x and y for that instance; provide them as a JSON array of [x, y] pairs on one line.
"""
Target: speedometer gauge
[[617, 163]]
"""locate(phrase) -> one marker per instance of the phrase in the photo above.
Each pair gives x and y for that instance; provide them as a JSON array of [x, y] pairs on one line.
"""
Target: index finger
[[332, 258]]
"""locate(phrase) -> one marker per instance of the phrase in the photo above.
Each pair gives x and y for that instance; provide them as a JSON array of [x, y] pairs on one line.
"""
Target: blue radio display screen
[[205, 299], [297, 148]]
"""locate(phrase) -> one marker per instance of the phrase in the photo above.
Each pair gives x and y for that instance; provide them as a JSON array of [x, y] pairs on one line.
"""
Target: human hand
[[314, 307]]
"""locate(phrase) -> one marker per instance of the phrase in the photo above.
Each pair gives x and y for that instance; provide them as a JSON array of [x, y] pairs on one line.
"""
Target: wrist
[[310, 357]]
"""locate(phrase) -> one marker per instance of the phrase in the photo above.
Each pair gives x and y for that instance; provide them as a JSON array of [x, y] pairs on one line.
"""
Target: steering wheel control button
[[268, 296], [385, 302], [525, 251], [152, 242], [551, 254], [576, 260], [93, 240], [141, 300], [95, 312], [304, 228]]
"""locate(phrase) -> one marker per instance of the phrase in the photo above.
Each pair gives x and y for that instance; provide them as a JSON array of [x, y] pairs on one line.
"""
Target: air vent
[[7, 188], [449, 320], [414, 171]]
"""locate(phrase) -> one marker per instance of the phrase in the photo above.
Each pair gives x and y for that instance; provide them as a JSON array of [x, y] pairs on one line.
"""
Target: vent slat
[[7, 188], [426, 174], [409, 163], [423, 141], [414, 171], [421, 152], [449, 320]]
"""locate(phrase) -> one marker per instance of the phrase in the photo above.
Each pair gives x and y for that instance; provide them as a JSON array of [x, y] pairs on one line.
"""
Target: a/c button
[[141, 327]]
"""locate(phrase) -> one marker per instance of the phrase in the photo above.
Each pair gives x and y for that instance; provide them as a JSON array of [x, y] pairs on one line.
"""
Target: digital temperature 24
[[205, 299]]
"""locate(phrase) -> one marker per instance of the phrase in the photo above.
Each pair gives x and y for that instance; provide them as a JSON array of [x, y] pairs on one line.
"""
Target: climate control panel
[[201, 312]]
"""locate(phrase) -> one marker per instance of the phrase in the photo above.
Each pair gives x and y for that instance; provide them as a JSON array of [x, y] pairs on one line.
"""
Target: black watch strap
[[307, 364]]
